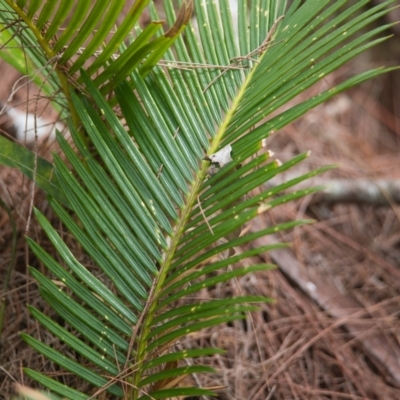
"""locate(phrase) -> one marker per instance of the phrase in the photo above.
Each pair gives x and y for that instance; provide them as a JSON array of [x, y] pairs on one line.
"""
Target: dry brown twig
[[259, 51], [204, 216], [376, 192], [139, 322]]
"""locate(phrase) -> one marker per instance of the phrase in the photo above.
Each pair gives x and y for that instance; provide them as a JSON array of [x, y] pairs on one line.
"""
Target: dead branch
[[381, 192]]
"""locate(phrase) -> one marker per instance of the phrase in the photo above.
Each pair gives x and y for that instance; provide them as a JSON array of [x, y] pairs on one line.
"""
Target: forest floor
[[333, 330]]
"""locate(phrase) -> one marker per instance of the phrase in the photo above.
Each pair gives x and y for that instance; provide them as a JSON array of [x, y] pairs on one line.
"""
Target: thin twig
[[175, 64], [257, 52], [264, 45], [119, 378], [271, 393], [190, 65], [215, 80], [162, 165], [160, 171], [139, 322], [253, 325], [31, 77], [204, 216], [35, 160]]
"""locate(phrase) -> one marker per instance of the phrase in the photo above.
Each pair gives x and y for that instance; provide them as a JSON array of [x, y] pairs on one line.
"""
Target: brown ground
[[333, 331]]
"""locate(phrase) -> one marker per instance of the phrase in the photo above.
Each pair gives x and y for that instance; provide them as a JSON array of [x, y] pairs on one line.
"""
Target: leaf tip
[[263, 208]]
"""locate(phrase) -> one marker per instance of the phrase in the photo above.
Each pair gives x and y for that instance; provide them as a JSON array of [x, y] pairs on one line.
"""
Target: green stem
[[179, 232]]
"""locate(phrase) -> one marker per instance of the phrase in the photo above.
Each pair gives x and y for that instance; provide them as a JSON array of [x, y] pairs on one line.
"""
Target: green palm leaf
[[35, 168], [149, 211], [59, 37]]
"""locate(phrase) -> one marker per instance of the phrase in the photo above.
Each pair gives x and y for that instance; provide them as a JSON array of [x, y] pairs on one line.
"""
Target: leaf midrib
[[180, 227]]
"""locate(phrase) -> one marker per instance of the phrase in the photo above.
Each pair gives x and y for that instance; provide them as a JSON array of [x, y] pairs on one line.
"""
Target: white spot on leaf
[[221, 157]]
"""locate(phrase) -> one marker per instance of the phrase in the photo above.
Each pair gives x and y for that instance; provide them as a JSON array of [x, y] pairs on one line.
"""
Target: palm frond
[[35, 168], [149, 211], [60, 37]]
